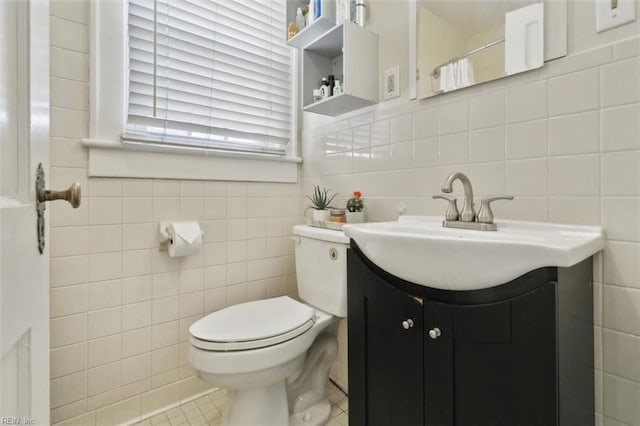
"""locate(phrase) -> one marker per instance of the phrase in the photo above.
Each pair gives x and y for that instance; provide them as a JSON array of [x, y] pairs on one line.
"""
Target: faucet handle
[[485, 214], [452, 210]]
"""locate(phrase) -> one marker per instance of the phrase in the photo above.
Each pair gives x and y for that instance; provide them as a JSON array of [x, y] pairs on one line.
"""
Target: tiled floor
[[207, 410]]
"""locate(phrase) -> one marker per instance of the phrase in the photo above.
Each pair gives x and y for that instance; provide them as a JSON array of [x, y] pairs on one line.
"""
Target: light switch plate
[[392, 82], [613, 13]]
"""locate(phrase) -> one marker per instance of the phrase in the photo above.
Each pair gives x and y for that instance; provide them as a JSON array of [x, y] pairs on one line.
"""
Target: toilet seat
[[252, 325]]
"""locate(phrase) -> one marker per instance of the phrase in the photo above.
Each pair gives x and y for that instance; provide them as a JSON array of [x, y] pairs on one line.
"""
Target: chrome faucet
[[468, 214], [467, 218]]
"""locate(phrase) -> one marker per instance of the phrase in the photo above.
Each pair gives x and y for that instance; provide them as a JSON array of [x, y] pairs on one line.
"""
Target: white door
[[24, 272]]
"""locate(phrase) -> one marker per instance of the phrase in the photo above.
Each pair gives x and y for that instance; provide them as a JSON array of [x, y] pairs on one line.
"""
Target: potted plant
[[320, 203], [354, 208]]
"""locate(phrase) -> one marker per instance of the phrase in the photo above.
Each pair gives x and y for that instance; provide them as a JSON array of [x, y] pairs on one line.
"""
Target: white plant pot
[[321, 215], [355, 217]]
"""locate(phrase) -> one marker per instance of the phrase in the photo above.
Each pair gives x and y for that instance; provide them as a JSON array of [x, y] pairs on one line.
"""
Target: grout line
[[54, 105], [624, 379], [621, 286], [53, 15], [624, 333], [338, 387]]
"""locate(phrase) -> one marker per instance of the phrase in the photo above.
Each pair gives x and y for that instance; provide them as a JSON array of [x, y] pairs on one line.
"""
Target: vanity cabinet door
[[385, 352], [492, 364], [438, 361]]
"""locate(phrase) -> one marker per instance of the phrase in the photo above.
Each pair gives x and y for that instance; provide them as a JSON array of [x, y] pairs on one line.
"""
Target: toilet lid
[[252, 325]]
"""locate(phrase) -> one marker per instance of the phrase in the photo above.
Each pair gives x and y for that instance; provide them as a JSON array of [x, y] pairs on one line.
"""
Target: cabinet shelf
[[345, 50], [329, 44], [338, 104], [319, 27]]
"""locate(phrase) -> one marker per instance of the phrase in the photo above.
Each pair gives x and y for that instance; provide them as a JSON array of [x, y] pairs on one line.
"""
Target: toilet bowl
[[275, 355]]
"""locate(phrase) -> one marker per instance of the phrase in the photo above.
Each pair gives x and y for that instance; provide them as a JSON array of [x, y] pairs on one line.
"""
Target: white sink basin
[[418, 249]]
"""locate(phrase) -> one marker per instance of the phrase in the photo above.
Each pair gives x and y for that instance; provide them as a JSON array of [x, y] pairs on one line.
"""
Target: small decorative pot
[[355, 217], [338, 216], [321, 215]]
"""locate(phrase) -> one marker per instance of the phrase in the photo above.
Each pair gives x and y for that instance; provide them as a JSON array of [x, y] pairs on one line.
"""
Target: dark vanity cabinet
[[518, 354]]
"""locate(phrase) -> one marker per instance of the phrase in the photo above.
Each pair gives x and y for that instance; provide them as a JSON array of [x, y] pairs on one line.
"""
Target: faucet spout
[[468, 214]]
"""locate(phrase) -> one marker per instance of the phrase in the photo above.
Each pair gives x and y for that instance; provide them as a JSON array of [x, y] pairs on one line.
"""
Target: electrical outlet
[[613, 13], [392, 82]]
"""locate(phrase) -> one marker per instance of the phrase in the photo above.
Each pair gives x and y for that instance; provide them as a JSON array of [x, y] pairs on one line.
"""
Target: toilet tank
[[321, 268]]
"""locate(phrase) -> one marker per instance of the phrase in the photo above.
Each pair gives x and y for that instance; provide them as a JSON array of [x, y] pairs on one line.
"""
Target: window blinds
[[209, 74]]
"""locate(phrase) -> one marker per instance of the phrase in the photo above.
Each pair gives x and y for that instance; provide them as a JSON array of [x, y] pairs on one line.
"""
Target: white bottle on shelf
[[311, 15], [337, 89], [324, 88], [299, 19]]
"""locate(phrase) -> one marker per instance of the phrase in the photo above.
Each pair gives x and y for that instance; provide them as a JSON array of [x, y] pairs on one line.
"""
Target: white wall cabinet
[[347, 51]]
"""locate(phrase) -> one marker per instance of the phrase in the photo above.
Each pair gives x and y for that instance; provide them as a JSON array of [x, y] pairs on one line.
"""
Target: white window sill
[[114, 159]]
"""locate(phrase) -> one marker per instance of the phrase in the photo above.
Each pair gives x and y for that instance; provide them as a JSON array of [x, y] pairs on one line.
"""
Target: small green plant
[[321, 198], [355, 204]]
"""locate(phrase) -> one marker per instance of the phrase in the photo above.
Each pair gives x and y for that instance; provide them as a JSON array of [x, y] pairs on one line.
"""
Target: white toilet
[[276, 354]]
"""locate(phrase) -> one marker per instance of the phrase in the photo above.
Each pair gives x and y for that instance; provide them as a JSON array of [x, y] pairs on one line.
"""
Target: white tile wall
[[620, 83], [120, 309], [527, 139], [565, 141], [526, 102]]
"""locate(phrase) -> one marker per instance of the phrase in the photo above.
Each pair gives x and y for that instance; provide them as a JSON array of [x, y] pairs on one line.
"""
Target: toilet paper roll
[[185, 238]]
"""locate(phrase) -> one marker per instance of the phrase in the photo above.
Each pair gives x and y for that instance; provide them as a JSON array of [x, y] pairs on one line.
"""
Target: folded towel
[[456, 75], [447, 78], [465, 73]]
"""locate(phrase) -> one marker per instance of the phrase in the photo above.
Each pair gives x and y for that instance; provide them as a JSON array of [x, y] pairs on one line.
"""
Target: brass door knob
[[72, 195]]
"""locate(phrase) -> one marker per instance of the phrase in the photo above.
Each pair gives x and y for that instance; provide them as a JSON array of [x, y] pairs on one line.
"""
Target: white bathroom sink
[[418, 249]]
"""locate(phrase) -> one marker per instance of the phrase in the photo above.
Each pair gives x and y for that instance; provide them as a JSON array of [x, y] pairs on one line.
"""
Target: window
[[202, 79], [211, 73]]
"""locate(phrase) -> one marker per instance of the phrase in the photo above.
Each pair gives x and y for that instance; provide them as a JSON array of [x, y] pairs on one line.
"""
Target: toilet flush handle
[[333, 254]]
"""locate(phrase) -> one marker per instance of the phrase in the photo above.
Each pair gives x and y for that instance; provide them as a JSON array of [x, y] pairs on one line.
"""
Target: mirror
[[460, 43]]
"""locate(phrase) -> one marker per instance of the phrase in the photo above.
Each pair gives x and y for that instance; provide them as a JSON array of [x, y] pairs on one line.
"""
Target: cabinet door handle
[[407, 324], [434, 333]]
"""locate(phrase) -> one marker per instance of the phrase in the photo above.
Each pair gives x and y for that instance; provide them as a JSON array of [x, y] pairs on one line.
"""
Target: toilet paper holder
[[165, 237]]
